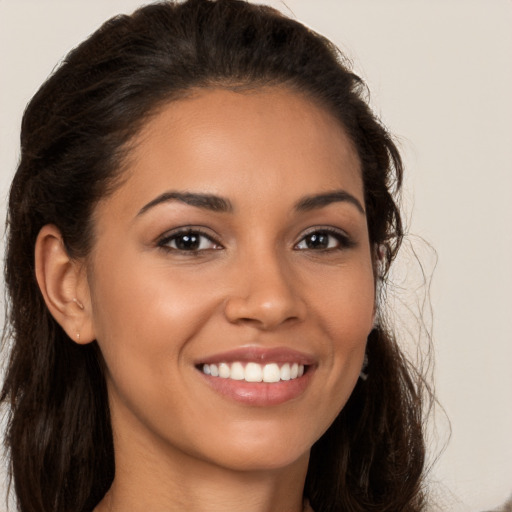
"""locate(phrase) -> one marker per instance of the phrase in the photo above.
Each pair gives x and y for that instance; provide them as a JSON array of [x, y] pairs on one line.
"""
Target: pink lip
[[260, 394], [260, 355]]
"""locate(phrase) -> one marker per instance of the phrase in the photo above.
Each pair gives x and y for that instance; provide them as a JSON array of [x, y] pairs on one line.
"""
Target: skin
[[256, 281]]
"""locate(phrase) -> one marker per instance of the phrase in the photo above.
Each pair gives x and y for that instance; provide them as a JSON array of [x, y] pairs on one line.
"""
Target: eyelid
[[345, 240], [168, 236]]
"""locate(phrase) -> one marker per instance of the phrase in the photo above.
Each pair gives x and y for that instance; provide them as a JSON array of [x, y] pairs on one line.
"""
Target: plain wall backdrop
[[440, 76]]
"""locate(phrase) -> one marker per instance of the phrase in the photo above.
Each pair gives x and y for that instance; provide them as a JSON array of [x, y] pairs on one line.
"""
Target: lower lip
[[261, 394]]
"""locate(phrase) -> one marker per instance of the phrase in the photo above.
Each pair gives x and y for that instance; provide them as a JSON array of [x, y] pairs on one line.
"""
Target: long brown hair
[[76, 133]]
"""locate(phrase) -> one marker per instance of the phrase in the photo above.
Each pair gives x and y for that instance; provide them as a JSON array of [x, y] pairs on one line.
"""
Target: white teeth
[[237, 371], [271, 373], [285, 372], [224, 371], [254, 372]]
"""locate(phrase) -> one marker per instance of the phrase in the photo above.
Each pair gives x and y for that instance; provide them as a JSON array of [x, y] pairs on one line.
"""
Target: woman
[[200, 228]]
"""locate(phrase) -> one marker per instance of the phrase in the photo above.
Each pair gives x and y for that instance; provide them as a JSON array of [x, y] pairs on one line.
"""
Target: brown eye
[[322, 240], [188, 241], [317, 240]]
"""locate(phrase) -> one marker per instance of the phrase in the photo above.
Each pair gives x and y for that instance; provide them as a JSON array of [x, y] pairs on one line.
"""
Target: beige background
[[440, 73]]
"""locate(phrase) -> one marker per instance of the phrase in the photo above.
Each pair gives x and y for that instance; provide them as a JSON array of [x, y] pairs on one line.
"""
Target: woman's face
[[237, 245]]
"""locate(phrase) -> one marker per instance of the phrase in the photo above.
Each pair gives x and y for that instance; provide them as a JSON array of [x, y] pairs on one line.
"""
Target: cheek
[[346, 309], [145, 321], [346, 303], [143, 312]]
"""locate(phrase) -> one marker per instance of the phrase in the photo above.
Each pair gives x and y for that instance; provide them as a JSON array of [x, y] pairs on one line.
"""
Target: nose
[[265, 295]]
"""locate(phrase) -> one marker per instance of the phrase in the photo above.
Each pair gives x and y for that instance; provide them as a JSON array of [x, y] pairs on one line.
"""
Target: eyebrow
[[320, 200], [219, 204], [204, 201]]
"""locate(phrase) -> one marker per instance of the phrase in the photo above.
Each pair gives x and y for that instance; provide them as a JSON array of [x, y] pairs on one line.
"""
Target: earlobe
[[63, 284]]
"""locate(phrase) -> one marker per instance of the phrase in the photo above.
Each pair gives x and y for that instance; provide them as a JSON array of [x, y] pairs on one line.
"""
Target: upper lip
[[260, 355]]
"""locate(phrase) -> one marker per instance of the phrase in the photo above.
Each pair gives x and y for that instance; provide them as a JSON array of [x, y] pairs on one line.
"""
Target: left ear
[[63, 283]]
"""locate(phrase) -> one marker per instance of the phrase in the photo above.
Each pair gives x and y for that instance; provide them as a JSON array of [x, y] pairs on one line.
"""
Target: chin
[[262, 449], [271, 459]]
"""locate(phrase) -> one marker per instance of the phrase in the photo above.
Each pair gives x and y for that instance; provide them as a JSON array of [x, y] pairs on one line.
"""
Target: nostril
[[264, 311]]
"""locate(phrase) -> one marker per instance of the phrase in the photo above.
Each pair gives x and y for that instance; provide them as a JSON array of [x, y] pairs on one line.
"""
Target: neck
[[209, 489]]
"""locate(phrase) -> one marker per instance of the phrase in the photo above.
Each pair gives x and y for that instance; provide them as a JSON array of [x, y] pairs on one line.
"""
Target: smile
[[254, 372], [257, 376]]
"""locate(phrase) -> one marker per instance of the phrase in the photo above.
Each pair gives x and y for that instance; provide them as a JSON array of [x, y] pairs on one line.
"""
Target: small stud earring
[[78, 303], [78, 337]]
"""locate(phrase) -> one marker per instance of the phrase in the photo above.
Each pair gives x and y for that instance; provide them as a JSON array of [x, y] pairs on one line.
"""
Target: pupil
[[317, 241], [187, 242]]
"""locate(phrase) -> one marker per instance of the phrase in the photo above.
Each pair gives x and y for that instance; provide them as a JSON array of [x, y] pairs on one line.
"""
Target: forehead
[[270, 142]]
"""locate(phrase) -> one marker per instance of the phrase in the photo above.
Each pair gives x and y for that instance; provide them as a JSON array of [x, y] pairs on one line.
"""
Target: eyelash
[[342, 240], [166, 240]]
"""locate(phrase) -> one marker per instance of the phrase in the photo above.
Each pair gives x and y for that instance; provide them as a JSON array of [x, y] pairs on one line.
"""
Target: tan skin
[[265, 272]]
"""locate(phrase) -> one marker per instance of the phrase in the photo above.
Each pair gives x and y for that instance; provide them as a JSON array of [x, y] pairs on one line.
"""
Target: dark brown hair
[[76, 133]]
